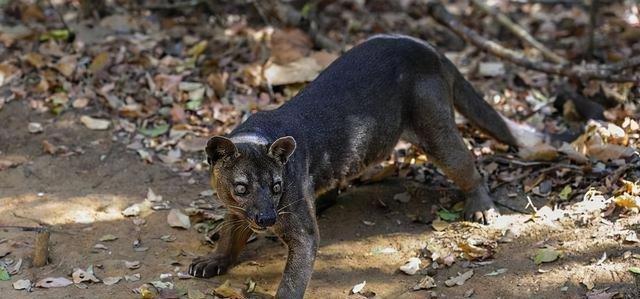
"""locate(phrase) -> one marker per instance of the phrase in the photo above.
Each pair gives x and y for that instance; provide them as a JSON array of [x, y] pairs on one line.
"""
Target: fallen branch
[[41, 250], [520, 32], [538, 172], [607, 72]]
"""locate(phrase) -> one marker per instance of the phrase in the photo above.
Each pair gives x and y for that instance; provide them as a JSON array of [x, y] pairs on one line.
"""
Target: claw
[[208, 266]]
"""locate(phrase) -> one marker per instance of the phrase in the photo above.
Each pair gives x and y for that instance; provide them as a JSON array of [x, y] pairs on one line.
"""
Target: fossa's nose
[[266, 219]]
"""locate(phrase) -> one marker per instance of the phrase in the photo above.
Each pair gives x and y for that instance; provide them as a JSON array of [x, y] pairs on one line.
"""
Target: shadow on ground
[[82, 196]]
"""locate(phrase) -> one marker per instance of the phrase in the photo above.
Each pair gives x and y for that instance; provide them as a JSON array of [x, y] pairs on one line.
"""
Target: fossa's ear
[[219, 147], [282, 148]]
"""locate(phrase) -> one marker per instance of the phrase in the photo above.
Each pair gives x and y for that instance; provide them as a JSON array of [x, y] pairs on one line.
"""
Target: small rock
[[35, 128]]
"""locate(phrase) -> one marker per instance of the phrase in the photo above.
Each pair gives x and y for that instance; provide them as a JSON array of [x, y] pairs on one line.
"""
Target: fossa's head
[[248, 177]]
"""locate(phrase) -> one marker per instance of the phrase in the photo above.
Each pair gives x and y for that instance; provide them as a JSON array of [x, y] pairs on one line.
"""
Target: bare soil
[[82, 196]]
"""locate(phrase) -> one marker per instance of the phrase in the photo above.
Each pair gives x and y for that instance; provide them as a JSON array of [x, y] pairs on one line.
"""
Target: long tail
[[469, 103]]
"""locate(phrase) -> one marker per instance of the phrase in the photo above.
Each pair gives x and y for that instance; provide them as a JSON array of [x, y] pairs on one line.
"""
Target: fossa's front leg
[[299, 230], [233, 238]]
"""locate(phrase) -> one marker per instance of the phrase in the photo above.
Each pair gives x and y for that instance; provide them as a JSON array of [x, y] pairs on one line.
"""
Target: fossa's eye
[[240, 189], [277, 188]]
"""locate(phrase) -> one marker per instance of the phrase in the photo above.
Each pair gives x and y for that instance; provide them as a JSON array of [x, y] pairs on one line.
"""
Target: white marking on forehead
[[250, 138], [242, 178]]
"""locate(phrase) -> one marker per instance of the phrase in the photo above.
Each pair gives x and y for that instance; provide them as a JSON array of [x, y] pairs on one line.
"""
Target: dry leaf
[[473, 252], [404, 197], [53, 282], [66, 65], [198, 48], [22, 284], [132, 265], [631, 237], [358, 287], [35, 59], [303, 70], [491, 69], [588, 282], [80, 275], [439, 225], [80, 103], [497, 272], [111, 280], [192, 144], [49, 148], [107, 238], [412, 266], [426, 283], [539, 152], [627, 201], [95, 123], [289, 45], [99, 62], [546, 255], [226, 291], [10, 163], [178, 219], [458, 280], [132, 278], [152, 196]]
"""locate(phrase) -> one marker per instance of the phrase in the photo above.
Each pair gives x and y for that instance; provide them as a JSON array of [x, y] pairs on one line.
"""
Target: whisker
[[290, 204], [236, 207]]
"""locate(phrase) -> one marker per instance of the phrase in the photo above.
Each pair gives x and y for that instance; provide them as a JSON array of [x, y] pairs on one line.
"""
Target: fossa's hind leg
[[434, 131]]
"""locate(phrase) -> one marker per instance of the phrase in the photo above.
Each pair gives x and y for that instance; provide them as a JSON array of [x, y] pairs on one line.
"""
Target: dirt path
[[82, 196]]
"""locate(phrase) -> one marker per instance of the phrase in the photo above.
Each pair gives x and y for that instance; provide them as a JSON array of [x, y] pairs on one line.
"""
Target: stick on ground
[[41, 251], [519, 31], [605, 72]]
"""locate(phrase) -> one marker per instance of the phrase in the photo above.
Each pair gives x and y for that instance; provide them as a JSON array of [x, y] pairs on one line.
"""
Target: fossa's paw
[[480, 208], [483, 215], [209, 266]]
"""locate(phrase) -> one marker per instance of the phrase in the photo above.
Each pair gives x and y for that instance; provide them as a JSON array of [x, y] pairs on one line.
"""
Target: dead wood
[[519, 31], [605, 72]]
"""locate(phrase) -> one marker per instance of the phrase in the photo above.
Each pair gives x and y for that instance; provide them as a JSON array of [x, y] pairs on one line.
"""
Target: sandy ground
[[82, 195]]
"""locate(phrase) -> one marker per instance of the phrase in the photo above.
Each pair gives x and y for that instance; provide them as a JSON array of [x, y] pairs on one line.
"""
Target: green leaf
[[198, 48], [635, 270], [60, 34], [566, 191], [546, 255], [4, 274], [155, 131], [193, 104], [449, 215]]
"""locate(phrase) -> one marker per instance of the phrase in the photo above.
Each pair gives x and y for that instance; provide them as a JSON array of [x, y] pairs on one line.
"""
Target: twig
[[549, 2], [519, 31], [593, 13], [538, 172], [586, 71], [508, 160], [617, 174], [41, 223], [22, 228], [41, 250], [66, 27], [260, 11], [176, 5]]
